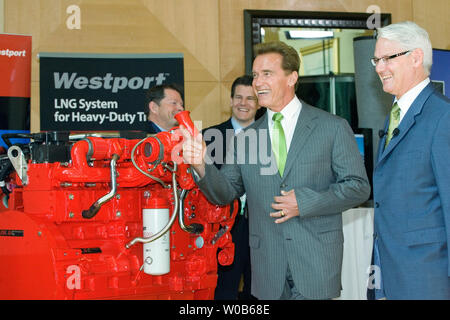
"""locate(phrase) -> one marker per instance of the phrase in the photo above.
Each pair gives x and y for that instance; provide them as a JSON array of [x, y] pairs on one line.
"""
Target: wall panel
[[433, 16], [2, 20]]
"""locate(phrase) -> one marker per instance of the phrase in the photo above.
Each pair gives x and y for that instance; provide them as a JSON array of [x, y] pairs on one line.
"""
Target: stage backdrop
[[15, 79], [100, 92]]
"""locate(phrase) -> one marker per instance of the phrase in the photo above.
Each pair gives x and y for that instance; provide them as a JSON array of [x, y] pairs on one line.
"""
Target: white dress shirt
[[290, 116], [408, 98]]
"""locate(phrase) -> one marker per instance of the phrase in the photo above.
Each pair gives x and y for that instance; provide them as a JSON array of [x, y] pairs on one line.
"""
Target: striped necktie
[[394, 120], [279, 142]]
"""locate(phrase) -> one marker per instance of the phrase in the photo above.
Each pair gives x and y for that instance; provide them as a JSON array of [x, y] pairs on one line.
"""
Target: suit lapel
[[382, 140], [408, 120], [263, 127], [304, 127]]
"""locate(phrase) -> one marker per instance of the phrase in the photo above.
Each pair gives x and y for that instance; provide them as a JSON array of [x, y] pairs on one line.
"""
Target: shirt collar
[[408, 98], [236, 125], [289, 110]]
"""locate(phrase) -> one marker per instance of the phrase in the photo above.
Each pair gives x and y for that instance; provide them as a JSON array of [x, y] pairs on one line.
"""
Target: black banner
[[97, 92]]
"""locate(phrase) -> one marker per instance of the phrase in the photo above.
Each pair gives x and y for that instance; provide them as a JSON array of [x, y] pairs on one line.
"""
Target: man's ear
[[153, 107], [417, 56], [293, 77]]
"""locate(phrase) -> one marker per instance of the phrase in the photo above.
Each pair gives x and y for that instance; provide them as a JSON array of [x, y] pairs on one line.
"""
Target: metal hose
[[93, 210], [169, 224]]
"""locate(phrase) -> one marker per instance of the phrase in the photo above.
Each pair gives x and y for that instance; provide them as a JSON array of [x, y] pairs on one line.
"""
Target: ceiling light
[[309, 34]]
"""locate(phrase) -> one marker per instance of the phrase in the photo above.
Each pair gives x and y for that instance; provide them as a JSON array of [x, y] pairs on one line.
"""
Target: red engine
[[73, 225]]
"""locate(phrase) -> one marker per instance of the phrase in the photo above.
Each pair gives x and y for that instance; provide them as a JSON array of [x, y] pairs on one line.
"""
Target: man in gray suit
[[296, 238]]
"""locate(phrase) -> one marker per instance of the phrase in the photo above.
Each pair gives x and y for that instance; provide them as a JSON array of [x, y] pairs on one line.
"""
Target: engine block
[[72, 227]]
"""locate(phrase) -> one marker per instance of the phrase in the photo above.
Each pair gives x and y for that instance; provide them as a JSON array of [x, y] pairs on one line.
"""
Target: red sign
[[15, 65]]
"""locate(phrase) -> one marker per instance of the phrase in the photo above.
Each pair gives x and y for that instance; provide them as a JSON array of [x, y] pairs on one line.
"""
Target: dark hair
[[156, 94], [291, 59], [244, 80]]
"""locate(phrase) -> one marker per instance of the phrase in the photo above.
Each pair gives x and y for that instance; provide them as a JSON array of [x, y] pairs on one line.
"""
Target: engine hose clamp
[[133, 161], [160, 155]]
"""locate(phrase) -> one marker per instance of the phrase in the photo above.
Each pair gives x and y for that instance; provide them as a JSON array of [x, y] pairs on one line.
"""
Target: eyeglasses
[[386, 59]]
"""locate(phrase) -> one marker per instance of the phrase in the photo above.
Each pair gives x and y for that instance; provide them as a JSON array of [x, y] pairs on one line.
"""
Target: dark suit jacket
[[213, 138], [217, 139], [152, 128]]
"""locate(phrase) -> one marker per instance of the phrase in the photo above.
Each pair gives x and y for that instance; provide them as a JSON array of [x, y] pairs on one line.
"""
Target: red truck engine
[[90, 216]]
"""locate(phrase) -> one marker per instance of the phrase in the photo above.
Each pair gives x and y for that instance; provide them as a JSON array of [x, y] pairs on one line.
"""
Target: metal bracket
[[19, 163]]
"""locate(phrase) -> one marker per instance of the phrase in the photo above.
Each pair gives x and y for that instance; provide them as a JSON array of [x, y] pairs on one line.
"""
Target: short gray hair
[[410, 36]]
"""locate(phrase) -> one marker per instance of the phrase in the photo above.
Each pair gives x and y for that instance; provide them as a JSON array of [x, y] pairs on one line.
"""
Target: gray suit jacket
[[326, 171]]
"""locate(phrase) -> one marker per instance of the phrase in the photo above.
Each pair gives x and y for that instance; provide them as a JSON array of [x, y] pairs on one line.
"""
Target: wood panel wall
[[209, 33], [2, 18]]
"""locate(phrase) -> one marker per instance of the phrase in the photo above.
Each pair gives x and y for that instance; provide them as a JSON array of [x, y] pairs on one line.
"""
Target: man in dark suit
[[244, 105], [411, 180], [300, 168], [163, 103]]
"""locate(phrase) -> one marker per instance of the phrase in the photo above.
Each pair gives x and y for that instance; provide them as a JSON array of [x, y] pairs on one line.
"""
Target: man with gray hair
[[411, 181]]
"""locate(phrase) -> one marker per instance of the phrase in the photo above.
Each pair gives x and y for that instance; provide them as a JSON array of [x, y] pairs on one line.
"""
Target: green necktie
[[394, 120], [279, 142]]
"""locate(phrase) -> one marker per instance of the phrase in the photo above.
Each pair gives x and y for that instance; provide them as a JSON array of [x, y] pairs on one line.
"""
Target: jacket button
[[377, 205], [283, 185]]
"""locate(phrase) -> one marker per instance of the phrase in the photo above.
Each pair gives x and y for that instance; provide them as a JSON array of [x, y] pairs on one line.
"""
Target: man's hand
[[287, 207], [194, 150]]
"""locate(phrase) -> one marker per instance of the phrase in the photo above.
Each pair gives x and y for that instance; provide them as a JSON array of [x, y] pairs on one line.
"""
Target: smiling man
[[296, 239], [244, 105], [163, 103], [412, 175]]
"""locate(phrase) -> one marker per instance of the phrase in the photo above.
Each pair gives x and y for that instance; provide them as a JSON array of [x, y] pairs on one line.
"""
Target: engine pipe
[[184, 119], [195, 228], [93, 210]]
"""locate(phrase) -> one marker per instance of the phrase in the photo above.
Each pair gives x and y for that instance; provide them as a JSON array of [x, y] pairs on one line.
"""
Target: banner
[[439, 71], [15, 83], [101, 92]]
